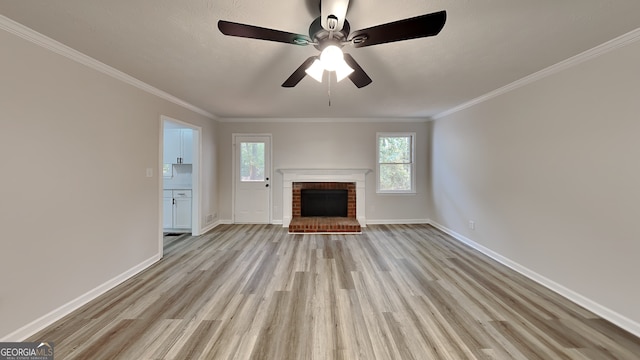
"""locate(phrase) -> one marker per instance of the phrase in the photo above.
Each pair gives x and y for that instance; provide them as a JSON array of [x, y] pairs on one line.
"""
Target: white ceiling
[[175, 46]]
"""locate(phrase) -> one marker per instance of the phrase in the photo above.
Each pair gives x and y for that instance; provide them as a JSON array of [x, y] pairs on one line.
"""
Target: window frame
[[412, 136]]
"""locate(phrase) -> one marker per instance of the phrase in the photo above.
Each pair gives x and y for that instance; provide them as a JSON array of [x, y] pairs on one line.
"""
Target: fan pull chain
[[329, 89]]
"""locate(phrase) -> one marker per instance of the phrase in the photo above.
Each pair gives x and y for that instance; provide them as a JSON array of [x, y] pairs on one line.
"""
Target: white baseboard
[[209, 227], [602, 311], [276, 222], [57, 314], [215, 224], [398, 221]]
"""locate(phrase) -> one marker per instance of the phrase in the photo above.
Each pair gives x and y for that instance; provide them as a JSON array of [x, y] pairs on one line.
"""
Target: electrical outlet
[[472, 225]]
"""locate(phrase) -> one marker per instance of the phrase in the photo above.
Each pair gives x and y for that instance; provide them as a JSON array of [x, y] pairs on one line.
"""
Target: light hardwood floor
[[394, 292]]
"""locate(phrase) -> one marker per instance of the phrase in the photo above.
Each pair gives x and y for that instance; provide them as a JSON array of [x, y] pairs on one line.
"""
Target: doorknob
[[266, 185]]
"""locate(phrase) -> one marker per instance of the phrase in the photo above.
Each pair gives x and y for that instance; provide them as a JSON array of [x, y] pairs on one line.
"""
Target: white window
[[167, 170], [395, 163]]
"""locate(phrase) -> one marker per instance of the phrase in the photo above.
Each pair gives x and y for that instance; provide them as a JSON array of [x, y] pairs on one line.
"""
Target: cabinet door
[[172, 146], [167, 212], [187, 146], [182, 213]]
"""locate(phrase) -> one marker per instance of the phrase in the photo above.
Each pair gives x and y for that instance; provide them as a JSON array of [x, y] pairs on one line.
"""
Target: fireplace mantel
[[289, 176]]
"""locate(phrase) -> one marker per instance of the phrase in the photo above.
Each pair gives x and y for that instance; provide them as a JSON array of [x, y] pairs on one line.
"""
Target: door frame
[[196, 190], [234, 158]]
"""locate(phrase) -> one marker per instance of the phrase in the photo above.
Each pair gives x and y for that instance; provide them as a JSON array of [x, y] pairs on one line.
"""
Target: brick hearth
[[324, 225]]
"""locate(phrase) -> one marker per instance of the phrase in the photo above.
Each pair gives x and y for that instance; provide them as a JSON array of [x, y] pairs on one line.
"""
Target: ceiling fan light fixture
[[316, 70], [331, 31]]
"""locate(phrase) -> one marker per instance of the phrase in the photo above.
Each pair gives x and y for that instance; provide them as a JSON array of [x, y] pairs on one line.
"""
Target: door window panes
[[252, 161]]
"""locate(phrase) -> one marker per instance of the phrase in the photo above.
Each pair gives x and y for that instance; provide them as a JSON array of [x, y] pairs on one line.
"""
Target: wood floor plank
[[393, 292], [197, 340]]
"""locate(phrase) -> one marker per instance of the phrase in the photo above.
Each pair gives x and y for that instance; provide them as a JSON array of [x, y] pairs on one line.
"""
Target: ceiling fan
[[330, 32]]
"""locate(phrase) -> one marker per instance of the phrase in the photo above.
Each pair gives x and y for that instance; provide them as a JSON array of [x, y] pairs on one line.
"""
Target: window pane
[[167, 170], [395, 177], [395, 149], [251, 161]]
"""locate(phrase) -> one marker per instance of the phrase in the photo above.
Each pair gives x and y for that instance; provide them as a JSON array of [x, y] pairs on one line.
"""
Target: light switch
[[149, 172]]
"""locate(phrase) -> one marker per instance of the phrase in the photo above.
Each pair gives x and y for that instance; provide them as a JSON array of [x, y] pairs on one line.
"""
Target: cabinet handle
[[173, 202]]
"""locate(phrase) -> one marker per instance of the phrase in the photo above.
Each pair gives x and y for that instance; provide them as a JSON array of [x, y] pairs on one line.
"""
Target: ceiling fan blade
[[299, 74], [256, 32], [412, 28], [358, 76], [337, 8]]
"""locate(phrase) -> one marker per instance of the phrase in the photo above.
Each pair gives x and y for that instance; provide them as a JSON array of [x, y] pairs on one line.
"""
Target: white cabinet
[[182, 209], [171, 146], [178, 146], [167, 209], [186, 146], [176, 209]]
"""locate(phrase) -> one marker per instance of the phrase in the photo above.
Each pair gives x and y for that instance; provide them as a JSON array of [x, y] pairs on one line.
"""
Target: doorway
[[180, 158], [252, 178]]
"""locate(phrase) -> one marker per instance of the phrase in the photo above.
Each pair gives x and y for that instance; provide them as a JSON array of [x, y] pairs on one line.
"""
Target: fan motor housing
[[321, 36]]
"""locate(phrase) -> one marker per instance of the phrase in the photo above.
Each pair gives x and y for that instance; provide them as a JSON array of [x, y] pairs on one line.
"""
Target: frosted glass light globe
[[331, 57]]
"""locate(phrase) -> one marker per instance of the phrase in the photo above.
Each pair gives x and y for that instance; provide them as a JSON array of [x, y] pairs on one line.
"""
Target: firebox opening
[[324, 202]]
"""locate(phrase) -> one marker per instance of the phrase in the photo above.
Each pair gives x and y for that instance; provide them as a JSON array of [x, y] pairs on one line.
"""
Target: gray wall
[[331, 145], [550, 173], [77, 209]]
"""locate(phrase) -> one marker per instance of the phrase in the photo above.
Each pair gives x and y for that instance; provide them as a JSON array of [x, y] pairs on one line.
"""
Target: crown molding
[[323, 120], [41, 40], [609, 46]]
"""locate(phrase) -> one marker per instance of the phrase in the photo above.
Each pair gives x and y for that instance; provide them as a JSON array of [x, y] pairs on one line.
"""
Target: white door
[[252, 176]]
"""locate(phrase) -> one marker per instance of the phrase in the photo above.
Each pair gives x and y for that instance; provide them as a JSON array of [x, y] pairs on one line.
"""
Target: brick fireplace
[[298, 187], [295, 180], [322, 224]]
